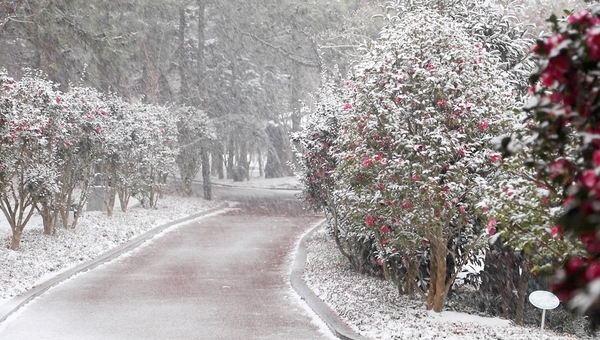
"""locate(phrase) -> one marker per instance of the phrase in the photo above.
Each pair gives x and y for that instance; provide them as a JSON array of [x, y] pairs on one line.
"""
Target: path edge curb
[[328, 315], [14, 304]]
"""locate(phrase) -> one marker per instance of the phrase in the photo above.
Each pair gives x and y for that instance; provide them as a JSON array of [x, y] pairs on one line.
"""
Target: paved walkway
[[219, 277]]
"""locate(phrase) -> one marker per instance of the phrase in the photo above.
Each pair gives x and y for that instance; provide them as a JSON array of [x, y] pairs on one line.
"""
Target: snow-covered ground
[[370, 306], [373, 308]]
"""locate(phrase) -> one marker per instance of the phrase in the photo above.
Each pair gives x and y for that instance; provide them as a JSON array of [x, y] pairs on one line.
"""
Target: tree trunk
[[231, 154], [437, 291], [260, 165], [16, 238], [522, 293], [206, 174]]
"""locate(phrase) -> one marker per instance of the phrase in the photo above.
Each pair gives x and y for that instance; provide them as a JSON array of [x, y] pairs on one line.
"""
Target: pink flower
[[491, 229], [461, 209], [58, 100], [366, 162], [380, 262], [484, 208], [67, 143], [378, 157], [370, 220], [575, 264], [424, 241], [348, 106], [579, 17], [555, 231], [98, 130], [556, 69], [441, 102], [483, 125], [430, 68], [495, 157], [385, 229], [592, 271], [406, 205], [589, 178], [462, 151], [398, 99], [596, 157], [593, 42], [545, 200], [414, 178]]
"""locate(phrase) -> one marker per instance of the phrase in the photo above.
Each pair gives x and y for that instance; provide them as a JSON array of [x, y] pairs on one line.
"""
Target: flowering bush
[[53, 143], [421, 108], [566, 148], [315, 148]]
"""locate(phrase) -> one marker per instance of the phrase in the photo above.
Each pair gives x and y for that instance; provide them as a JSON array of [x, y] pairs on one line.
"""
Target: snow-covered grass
[[369, 305], [374, 309]]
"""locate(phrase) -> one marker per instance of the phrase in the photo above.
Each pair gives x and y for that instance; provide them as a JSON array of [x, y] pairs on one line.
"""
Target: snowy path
[[219, 277]]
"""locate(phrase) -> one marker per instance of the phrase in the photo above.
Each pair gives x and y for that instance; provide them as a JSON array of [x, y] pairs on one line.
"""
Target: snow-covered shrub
[[565, 151], [194, 131], [496, 27], [27, 167], [315, 148], [140, 150], [423, 104]]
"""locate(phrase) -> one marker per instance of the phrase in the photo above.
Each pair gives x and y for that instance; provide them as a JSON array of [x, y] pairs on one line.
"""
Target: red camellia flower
[[592, 272], [370, 220], [406, 205], [589, 178], [366, 162], [491, 229], [385, 229], [483, 125], [555, 231], [495, 157], [593, 42], [596, 157], [555, 71], [348, 106], [579, 17]]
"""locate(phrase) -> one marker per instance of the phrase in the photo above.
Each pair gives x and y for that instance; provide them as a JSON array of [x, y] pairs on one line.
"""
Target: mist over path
[[220, 277]]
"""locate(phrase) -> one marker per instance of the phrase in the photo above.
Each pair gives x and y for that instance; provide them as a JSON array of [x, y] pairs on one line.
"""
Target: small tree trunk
[[231, 153], [206, 175], [16, 238], [437, 287], [260, 165], [522, 293]]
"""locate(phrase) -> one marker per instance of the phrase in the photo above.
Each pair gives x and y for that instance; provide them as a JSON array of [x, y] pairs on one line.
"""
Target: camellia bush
[[54, 143], [421, 109], [566, 147], [315, 148]]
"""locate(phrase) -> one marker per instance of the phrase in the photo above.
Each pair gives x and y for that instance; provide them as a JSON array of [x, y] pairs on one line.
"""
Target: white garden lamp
[[543, 300]]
